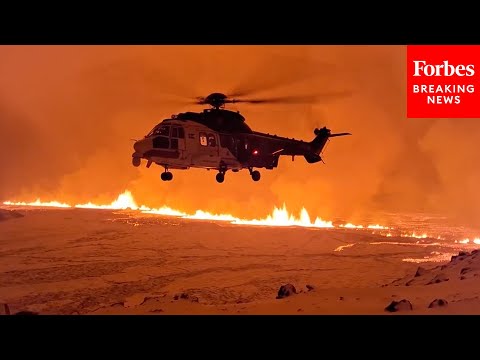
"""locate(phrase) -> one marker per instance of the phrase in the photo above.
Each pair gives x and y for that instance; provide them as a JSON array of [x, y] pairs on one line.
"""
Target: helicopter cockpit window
[[163, 130], [151, 132], [211, 140], [203, 139]]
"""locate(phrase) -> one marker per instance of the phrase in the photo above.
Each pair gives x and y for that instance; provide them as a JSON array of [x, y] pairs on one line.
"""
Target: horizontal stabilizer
[[339, 134]]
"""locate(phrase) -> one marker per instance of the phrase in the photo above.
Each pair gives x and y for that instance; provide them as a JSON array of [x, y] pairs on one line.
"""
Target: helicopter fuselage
[[221, 140]]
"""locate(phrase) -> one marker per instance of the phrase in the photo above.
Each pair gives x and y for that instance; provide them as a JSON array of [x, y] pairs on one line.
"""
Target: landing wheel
[[166, 176], [136, 161], [220, 177], [255, 175]]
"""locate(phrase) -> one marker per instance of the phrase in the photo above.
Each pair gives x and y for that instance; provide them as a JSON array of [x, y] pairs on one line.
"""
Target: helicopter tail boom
[[318, 144]]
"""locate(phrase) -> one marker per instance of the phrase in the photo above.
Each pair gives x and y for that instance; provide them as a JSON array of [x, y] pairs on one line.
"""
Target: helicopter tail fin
[[318, 144]]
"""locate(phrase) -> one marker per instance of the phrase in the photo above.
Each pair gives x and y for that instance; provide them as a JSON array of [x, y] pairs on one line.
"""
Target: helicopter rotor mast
[[215, 100]]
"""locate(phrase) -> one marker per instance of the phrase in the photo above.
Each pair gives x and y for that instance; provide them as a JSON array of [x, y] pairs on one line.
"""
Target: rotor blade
[[308, 99], [271, 74]]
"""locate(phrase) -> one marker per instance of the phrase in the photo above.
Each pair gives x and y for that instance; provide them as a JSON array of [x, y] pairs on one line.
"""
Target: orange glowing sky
[[67, 114]]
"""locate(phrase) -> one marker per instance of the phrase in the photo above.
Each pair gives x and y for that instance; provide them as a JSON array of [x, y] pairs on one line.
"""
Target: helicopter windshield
[[159, 130]]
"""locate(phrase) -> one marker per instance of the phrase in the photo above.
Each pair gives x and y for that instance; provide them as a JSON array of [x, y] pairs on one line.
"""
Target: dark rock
[[462, 277], [401, 305], [147, 298], [26, 313], [465, 270], [438, 303], [474, 251], [341, 298], [310, 287], [420, 271], [443, 267], [286, 290], [185, 296], [408, 283], [9, 214], [463, 253], [438, 279]]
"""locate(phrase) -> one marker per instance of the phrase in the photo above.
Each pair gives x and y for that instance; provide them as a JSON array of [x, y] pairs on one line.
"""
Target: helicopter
[[220, 139]]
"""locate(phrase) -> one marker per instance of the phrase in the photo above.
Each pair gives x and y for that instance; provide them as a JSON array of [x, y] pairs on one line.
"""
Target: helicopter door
[[177, 139], [243, 149]]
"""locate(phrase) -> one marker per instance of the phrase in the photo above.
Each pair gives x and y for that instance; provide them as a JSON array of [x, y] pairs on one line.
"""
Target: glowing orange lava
[[278, 217], [38, 203], [467, 241]]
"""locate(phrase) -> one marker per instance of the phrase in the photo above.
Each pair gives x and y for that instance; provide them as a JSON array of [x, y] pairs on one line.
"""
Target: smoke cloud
[[68, 115]]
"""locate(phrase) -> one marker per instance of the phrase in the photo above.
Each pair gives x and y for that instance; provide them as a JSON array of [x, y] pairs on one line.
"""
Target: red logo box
[[443, 81]]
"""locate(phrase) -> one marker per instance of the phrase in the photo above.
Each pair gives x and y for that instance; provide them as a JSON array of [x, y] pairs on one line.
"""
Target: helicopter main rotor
[[218, 100]]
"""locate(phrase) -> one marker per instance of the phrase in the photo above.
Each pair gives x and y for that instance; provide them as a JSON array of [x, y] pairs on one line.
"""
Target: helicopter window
[[181, 133], [177, 132], [161, 142], [203, 139], [174, 144], [163, 130], [211, 140]]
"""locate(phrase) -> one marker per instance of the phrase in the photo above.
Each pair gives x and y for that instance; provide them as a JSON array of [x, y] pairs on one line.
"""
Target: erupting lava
[[38, 203], [279, 217], [467, 241]]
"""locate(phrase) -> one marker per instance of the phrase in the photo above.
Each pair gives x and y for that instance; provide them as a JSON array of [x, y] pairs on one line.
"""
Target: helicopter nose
[[137, 146], [142, 146]]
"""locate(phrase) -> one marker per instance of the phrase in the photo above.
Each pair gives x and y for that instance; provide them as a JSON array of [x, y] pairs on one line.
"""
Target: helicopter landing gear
[[222, 169], [166, 176], [220, 177], [255, 174]]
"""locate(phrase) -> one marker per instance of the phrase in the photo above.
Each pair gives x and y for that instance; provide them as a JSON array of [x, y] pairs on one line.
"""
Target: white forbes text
[[444, 69]]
